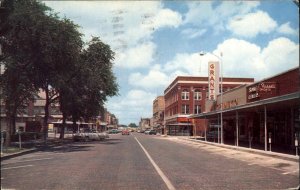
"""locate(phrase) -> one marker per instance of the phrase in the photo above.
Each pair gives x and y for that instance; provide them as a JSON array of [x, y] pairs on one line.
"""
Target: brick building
[[144, 124], [158, 113], [186, 96], [30, 118]]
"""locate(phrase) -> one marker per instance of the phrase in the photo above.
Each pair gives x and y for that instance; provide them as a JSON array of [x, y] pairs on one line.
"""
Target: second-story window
[[185, 109], [197, 109], [197, 94], [185, 95]]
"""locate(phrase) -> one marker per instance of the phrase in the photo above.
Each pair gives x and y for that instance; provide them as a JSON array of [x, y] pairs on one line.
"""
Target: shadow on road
[[58, 146], [71, 146]]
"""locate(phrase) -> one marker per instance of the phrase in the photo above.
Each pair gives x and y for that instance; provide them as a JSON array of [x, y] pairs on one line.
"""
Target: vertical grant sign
[[213, 80]]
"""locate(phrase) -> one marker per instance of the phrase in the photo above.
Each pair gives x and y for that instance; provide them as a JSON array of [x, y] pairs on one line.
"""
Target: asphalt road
[[141, 161]]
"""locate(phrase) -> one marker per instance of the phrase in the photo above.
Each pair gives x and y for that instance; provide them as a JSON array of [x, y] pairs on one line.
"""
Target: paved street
[[141, 161]]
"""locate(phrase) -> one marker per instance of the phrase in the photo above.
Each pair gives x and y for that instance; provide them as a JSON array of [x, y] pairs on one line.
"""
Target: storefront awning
[[179, 124], [292, 98]]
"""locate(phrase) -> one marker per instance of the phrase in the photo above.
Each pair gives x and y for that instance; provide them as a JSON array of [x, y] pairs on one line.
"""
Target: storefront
[[180, 126], [267, 117]]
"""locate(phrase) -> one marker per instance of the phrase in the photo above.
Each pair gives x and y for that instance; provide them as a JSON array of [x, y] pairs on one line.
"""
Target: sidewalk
[[32, 146], [288, 157]]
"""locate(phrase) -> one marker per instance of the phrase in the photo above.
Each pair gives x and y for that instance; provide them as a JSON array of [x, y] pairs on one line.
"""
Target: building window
[[185, 109], [197, 109], [185, 95], [197, 94]]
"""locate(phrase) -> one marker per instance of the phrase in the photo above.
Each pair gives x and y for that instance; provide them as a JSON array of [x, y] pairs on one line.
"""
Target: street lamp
[[221, 65], [194, 108]]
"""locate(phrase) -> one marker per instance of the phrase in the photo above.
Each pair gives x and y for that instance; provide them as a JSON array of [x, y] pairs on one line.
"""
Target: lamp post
[[221, 109], [194, 107]]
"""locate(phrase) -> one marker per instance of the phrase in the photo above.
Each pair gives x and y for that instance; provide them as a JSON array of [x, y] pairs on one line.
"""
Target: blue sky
[[155, 41]]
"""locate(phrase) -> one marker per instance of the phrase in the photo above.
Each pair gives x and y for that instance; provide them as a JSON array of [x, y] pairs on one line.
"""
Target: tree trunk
[[8, 130], [62, 131], [74, 125], [13, 123]]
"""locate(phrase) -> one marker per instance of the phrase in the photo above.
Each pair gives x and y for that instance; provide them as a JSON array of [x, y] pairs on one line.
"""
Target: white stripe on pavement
[[16, 167], [162, 175], [290, 172]]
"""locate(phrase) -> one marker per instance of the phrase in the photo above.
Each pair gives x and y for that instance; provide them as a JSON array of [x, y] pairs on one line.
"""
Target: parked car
[[125, 132], [113, 131], [147, 132], [88, 135], [152, 132], [104, 135]]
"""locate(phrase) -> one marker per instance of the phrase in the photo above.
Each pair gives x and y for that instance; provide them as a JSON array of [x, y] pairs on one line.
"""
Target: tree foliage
[[42, 51], [133, 125]]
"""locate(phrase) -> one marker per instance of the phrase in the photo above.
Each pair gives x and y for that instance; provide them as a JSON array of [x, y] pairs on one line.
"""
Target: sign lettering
[[213, 79], [263, 87]]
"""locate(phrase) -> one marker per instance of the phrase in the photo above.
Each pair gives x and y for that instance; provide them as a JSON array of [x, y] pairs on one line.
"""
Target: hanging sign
[[213, 79]]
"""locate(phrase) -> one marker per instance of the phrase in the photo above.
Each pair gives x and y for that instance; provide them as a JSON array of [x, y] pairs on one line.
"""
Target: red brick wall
[[286, 83]]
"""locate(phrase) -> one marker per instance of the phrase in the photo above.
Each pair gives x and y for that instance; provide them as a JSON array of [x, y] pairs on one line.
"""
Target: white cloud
[[252, 24], [249, 60], [137, 57], [167, 17], [193, 33], [136, 104], [287, 29], [153, 79], [240, 59], [127, 28], [191, 64], [205, 14], [280, 55]]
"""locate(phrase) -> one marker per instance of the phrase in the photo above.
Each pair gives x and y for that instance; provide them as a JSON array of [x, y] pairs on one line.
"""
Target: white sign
[[213, 80]]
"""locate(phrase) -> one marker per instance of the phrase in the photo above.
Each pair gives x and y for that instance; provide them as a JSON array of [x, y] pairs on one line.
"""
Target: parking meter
[[296, 143]]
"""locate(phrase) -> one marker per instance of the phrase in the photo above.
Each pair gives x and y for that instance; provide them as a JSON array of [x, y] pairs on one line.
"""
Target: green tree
[[67, 69], [48, 47], [17, 92], [48, 51], [98, 59], [133, 125], [16, 87], [90, 84]]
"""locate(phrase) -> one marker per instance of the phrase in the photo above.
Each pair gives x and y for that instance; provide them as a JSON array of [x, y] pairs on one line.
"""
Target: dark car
[[152, 132], [113, 131]]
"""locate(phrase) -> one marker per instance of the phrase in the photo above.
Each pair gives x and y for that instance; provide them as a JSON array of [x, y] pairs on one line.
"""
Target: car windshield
[[164, 95]]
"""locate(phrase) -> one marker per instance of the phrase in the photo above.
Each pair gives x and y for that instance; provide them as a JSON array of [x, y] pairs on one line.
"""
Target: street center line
[[26, 161], [16, 167], [162, 175]]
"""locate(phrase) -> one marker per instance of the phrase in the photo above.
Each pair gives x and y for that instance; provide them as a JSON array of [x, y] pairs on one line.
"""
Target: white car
[[87, 136], [104, 135]]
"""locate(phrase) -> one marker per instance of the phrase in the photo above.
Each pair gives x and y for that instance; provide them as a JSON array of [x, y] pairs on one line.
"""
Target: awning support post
[[237, 128], [266, 132]]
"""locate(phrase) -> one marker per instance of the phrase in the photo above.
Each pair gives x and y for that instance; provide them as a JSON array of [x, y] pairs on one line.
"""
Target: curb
[[48, 145], [13, 155], [254, 151]]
